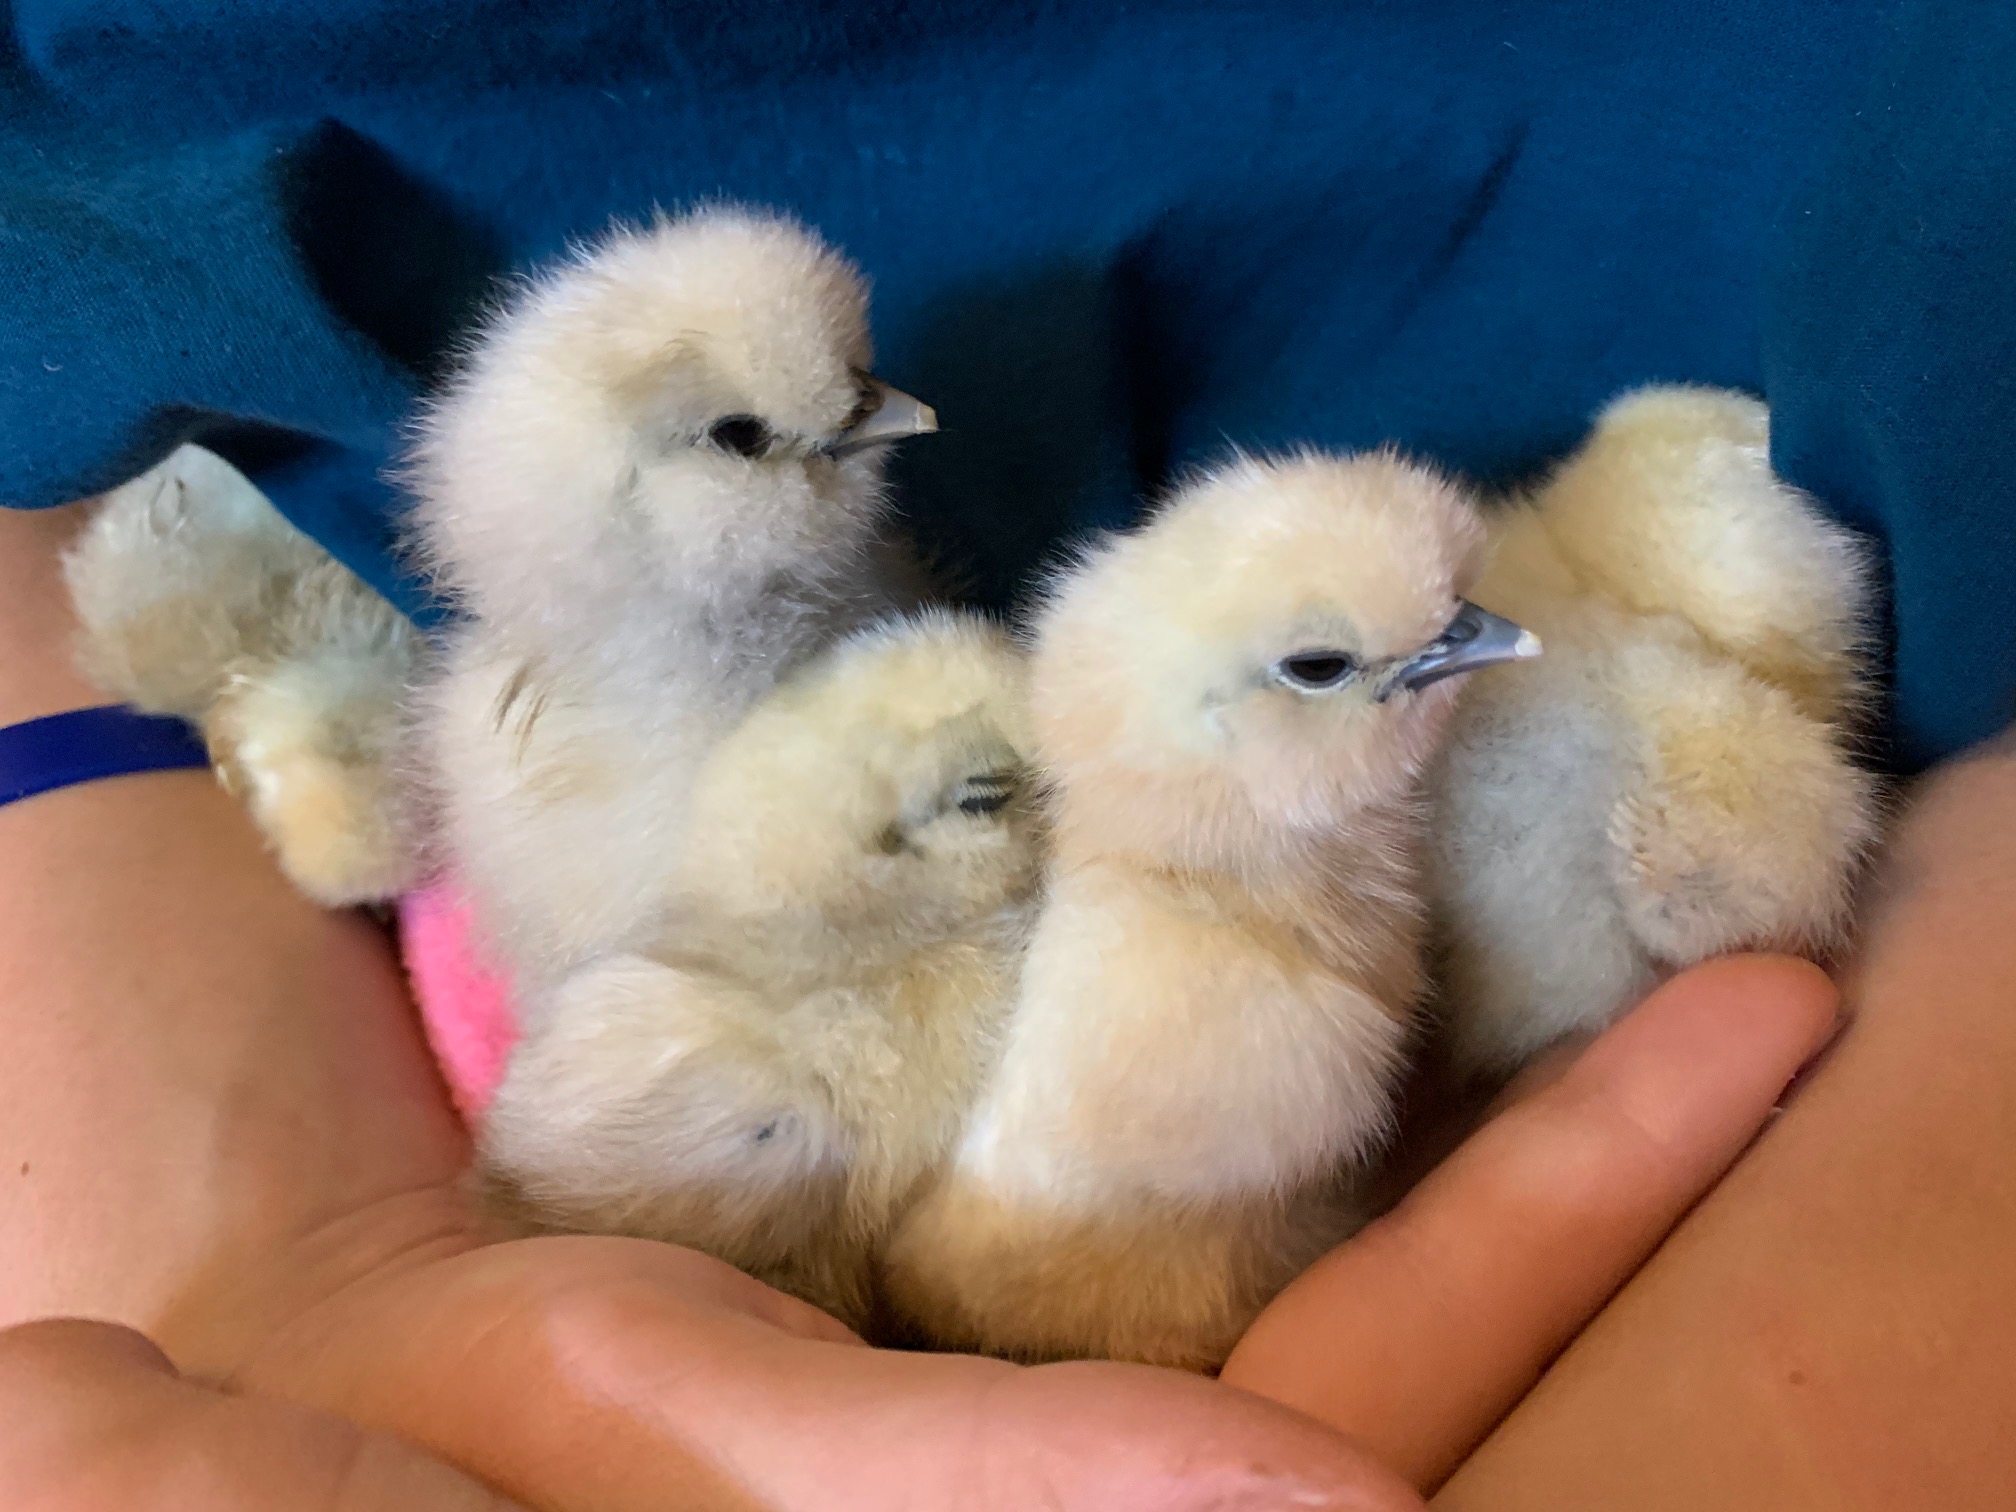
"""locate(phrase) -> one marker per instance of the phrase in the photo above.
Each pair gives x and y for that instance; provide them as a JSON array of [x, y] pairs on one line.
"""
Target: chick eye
[[986, 794], [1316, 671], [740, 435]]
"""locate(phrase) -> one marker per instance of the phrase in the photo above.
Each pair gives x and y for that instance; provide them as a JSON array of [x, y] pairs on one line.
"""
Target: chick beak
[[1474, 638], [890, 415]]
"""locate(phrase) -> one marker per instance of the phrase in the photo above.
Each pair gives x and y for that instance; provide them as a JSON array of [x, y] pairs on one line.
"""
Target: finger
[[1420, 1333], [1439, 1111], [1542, 1073], [97, 1417], [53, 1348]]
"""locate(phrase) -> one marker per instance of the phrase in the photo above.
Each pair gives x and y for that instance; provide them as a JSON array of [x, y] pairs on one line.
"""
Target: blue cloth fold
[[1106, 241]]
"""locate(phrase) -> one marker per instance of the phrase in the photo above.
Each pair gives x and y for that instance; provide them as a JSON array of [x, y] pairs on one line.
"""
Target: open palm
[[613, 1374]]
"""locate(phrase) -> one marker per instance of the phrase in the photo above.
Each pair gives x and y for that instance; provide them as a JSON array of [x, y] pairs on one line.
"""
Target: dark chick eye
[[1315, 671], [740, 435], [988, 794]]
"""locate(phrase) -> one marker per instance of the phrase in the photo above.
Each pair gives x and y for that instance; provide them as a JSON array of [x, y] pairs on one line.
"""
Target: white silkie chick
[[1233, 708], [768, 1076], [198, 599], [654, 489], [1674, 781]]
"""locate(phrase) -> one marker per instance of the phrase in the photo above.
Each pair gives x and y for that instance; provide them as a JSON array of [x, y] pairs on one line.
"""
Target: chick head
[[872, 803], [697, 389], [1276, 647]]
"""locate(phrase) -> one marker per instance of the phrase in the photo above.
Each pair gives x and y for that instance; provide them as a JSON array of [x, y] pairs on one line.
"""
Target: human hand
[[606, 1373], [1832, 1326], [230, 1136], [238, 1144], [97, 1417]]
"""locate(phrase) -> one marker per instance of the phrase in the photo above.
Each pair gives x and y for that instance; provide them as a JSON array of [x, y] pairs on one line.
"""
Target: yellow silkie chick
[[1233, 709], [769, 1075], [1675, 780]]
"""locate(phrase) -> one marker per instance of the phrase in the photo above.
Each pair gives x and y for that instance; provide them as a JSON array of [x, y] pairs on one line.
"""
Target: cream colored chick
[[653, 490], [1233, 707], [769, 1074], [198, 599], [1674, 781]]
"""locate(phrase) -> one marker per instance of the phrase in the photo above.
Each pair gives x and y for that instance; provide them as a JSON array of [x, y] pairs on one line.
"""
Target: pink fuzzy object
[[465, 1001]]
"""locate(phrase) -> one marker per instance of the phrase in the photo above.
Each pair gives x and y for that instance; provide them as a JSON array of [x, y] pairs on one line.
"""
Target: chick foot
[[318, 779]]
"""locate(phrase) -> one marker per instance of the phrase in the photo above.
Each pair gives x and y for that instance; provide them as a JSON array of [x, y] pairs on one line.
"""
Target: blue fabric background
[[1106, 239]]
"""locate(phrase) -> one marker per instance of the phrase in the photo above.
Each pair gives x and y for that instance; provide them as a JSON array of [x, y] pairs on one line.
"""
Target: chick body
[[635, 494], [770, 1074], [196, 598], [1215, 999], [706, 804], [1674, 780]]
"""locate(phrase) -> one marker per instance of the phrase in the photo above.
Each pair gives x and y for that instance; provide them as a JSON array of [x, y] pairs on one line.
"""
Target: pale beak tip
[[1527, 646]]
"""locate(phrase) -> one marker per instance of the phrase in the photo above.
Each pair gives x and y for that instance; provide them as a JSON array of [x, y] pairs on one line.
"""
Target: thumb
[[97, 1417]]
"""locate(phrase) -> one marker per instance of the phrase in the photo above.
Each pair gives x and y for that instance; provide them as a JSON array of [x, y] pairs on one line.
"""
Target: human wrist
[[38, 669]]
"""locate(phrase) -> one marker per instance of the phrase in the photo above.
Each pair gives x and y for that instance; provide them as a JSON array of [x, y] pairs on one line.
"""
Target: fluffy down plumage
[[769, 1074], [755, 859], [1043, 1001], [196, 598], [642, 493], [1675, 780], [1216, 997]]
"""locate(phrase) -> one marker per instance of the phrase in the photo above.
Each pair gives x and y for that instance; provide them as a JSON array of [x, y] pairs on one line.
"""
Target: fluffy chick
[[1675, 780], [770, 1075], [197, 598], [652, 490], [1233, 708]]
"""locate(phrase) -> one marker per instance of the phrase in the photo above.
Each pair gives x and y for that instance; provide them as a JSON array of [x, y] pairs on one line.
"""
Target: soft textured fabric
[[1107, 240], [465, 1001]]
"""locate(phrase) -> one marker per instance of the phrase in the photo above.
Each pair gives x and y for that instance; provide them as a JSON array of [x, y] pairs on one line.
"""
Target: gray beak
[[1474, 638], [894, 415]]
